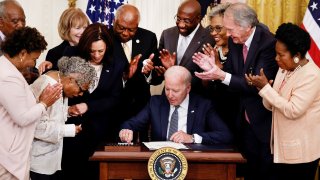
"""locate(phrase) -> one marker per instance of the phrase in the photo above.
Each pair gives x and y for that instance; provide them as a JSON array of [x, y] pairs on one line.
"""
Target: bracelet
[[44, 104]]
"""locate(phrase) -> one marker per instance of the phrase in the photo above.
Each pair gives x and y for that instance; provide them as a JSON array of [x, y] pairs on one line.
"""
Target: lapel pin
[[192, 111], [107, 70], [137, 41], [199, 42]]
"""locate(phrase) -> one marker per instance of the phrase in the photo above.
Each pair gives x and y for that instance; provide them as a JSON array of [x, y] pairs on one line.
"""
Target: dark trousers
[[258, 155], [305, 171], [37, 176]]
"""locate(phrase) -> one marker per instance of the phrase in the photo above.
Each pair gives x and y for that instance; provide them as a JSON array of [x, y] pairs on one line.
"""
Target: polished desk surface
[[197, 152], [205, 162]]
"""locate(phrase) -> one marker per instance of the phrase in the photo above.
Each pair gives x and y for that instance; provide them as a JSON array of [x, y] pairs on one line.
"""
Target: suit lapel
[[192, 110], [136, 45], [252, 50], [173, 43], [165, 109], [194, 45], [237, 57]]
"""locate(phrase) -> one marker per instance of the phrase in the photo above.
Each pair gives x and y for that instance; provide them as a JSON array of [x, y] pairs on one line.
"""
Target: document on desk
[[160, 144]]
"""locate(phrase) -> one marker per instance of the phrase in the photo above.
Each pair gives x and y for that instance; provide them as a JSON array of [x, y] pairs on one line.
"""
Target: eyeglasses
[[81, 90], [186, 21], [122, 29], [217, 28]]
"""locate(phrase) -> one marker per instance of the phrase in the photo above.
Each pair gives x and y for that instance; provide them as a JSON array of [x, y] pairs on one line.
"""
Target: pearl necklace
[[288, 76], [290, 73], [222, 57]]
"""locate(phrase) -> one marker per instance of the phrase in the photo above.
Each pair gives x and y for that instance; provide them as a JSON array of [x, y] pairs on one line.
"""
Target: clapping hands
[[207, 63], [259, 81]]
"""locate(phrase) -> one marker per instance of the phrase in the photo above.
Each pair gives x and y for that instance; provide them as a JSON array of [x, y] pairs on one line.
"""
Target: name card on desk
[[154, 145], [122, 147]]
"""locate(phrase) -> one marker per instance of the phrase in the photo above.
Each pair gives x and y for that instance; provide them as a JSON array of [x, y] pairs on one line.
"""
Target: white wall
[[156, 15]]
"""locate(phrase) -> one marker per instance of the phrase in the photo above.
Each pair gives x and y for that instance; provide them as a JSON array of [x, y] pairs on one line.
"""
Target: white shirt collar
[[249, 40], [3, 37], [184, 104], [129, 43], [190, 36]]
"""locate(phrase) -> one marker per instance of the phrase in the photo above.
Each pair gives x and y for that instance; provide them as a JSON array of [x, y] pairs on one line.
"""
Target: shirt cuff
[[69, 130], [124, 83], [227, 79], [197, 139]]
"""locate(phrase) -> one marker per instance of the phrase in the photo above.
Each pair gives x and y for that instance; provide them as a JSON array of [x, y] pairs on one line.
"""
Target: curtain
[[275, 12]]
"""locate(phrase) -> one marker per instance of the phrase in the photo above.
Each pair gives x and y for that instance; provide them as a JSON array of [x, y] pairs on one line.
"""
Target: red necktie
[[244, 52]]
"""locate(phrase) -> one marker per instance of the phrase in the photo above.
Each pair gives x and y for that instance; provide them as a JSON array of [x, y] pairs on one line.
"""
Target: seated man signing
[[178, 116]]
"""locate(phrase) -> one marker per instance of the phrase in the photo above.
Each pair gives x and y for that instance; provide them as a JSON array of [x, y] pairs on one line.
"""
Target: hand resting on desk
[[126, 135]]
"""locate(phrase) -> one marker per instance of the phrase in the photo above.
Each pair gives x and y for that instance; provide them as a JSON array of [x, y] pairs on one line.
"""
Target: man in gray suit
[[179, 43]]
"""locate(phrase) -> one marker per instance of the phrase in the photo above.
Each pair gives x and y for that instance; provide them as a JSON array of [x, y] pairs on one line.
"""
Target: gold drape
[[275, 12]]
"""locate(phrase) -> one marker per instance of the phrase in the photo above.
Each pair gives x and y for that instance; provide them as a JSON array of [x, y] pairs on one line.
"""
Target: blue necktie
[[173, 122]]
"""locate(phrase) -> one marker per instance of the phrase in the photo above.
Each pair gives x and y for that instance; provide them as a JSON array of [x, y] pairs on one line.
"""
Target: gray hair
[[129, 10], [242, 14], [178, 72], [4, 3], [218, 10], [75, 65]]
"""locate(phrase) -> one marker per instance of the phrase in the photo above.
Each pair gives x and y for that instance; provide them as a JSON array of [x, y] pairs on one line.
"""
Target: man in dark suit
[[179, 43], [178, 116], [251, 47], [132, 44]]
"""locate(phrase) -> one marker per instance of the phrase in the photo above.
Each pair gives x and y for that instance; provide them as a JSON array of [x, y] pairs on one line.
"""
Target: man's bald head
[[126, 22], [11, 16], [190, 6], [128, 13], [188, 16]]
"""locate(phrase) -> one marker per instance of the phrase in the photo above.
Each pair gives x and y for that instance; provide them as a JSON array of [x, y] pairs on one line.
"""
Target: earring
[[20, 59], [296, 60]]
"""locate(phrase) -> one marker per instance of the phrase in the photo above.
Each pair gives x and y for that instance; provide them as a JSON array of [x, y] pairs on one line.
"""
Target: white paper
[[160, 144]]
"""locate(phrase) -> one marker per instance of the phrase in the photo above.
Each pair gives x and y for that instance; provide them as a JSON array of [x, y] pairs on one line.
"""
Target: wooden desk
[[213, 165]]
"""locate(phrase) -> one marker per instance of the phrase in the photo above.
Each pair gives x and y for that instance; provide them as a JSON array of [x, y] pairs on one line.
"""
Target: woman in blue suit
[[94, 110]]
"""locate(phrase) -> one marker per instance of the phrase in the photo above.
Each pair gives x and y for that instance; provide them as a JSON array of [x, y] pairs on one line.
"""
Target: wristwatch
[[193, 139]]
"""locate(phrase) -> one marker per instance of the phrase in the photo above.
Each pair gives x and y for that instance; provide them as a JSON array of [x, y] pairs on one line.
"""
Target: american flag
[[103, 11], [311, 23]]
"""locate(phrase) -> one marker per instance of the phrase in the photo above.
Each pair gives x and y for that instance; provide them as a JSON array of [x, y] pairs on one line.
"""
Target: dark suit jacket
[[98, 123], [201, 120], [56, 53], [261, 55], [169, 40], [136, 93], [101, 102]]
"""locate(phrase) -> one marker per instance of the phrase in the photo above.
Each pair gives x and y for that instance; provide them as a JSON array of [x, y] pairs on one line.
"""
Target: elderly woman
[[219, 34], [75, 75], [19, 110], [294, 101], [216, 91], [71, 25]]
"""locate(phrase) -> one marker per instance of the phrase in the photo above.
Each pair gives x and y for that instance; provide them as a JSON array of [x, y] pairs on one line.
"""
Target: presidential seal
[[167, 163]]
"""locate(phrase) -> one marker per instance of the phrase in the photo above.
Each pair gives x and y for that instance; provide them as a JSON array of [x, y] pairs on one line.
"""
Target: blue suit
[[201, 120]]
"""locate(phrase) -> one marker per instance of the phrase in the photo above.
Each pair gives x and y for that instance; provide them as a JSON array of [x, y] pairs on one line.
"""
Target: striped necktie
[[174, 122]]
